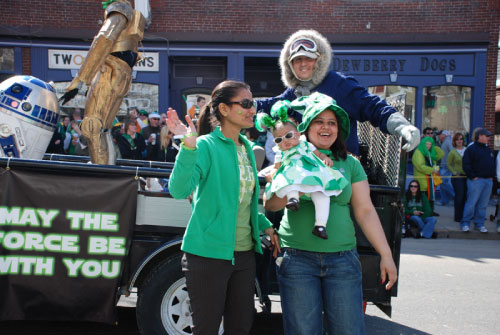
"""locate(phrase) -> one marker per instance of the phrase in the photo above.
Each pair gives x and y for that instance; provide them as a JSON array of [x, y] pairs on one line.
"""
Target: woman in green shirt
[[323, 277], [223, 232], [458, 179]]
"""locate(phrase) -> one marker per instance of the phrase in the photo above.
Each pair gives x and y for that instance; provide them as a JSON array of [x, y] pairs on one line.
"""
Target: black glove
[[69, 95]]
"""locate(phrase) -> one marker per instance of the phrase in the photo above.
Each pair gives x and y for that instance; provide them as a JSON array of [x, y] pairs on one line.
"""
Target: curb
[[471, 235]]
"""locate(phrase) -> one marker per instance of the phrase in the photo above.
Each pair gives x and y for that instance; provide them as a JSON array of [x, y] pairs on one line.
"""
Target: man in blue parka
[[305, 68]]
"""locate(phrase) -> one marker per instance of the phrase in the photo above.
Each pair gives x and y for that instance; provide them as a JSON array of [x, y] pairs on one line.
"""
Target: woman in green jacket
[[458, 179], [424, 161], [418, 211], [223, 232]]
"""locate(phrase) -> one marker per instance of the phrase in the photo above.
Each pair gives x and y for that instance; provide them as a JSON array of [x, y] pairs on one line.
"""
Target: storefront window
[[447, 107], [140, 95], [7, 59], [194, 100], [400, 97]]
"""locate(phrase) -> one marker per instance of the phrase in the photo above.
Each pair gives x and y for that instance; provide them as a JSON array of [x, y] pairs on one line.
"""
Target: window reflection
[[6, 59], [407, 94], [140, 95], [447, 107]]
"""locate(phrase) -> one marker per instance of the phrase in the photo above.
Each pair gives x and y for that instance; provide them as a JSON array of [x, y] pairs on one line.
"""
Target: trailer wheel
[[163, 306]]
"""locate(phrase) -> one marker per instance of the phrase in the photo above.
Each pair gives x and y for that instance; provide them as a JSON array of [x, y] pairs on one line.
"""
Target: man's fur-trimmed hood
[[322, 63]]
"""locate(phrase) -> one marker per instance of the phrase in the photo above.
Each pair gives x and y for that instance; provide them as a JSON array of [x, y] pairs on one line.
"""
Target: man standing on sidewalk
[[479, 166]]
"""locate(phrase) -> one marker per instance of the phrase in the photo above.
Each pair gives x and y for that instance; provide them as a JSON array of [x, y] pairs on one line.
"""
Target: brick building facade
[[446, 45]]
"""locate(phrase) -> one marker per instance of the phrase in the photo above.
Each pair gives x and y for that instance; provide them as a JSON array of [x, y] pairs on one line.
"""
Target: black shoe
[[293, 204], [417, 235], [435, 214], [320, 232], [434, 235]]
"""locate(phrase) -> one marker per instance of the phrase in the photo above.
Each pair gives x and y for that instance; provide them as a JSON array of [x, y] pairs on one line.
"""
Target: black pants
[[218, 288], [460, 188]]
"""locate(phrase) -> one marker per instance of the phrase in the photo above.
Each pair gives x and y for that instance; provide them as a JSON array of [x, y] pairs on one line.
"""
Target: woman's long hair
[[408, 192], [164, 139], [210, 116]]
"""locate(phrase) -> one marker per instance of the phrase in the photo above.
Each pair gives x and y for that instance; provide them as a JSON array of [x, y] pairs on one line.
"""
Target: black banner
[[64, 239]]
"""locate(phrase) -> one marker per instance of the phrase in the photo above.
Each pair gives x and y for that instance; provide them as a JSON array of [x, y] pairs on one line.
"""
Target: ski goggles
[[246, 103], [304, 43], [287, 136]]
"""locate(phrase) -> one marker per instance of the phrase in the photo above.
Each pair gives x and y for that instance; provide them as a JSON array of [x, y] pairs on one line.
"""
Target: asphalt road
[[447, 287]]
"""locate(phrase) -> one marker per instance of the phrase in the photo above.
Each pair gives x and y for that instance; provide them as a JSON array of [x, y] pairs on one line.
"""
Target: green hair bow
[[105, 4], [279, 112]]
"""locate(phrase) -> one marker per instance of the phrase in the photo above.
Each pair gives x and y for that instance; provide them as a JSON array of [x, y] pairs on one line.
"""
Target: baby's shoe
[[293, 204], [320, 231]]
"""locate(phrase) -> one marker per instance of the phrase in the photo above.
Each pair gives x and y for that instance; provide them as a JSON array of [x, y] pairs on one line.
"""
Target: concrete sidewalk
[[446, 227]]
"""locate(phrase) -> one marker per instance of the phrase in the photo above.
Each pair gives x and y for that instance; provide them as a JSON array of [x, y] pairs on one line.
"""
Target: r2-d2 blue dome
[[29, 113]]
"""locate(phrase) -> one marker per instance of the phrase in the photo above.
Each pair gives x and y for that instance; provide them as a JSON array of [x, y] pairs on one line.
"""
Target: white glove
[[398, 125]]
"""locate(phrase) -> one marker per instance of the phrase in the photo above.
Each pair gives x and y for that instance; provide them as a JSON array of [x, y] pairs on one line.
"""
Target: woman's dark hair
[[408, 192], [338, 148], [128, 123], [253, 133], [210, 116], [455, 138]]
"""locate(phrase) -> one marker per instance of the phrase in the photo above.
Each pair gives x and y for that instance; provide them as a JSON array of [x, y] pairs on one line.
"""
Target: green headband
[[279, 112]]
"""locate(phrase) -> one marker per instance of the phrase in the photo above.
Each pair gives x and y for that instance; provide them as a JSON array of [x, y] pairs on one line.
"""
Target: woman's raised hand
[[176, 127]]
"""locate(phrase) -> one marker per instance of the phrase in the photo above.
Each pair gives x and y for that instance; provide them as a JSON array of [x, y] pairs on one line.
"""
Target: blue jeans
[[446, 188], [314, 282], [426, 225], [478, 195]]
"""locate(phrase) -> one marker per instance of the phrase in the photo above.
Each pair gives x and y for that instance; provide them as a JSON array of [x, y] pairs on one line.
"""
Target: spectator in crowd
[[56, 144], [473, 136], [458, 179], [305, 63], [167, 151], [222, 235], [79, 144], [418, 211], [320, 280], [425, 167], [116, 133], [428, 132], [64, 129], [479, 166], [77, 116], [446, 189], [134, 116], [195, 109], [132, 145], [163, 119], [152, 135], [143, 118]]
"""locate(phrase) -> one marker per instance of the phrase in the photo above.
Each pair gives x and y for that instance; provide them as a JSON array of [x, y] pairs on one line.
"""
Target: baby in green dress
[[301, 168]]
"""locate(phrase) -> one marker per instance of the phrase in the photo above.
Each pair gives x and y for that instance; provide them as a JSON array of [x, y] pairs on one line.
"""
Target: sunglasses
[[246, 103], [304, 43], [287, 136], [155, 118], [413, 186]]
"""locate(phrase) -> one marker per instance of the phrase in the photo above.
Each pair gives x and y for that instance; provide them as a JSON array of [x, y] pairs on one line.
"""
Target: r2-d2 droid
[[29, 113]]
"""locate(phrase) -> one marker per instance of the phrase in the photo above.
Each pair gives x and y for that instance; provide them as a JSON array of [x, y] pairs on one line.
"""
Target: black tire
[[163, 303]]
